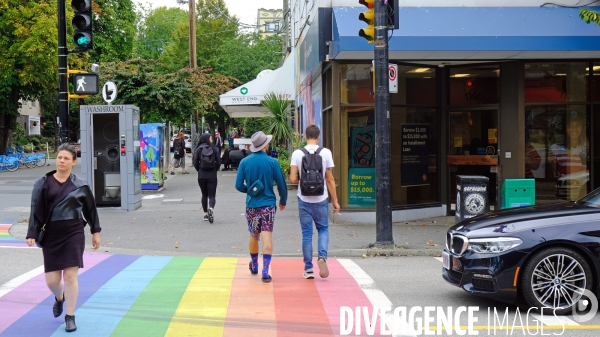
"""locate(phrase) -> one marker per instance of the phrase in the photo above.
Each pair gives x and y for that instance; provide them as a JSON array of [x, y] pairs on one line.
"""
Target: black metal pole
[[63, 99], [383, 217]]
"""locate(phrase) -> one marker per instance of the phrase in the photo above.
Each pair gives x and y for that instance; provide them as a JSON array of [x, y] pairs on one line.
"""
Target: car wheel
[[555, 278]]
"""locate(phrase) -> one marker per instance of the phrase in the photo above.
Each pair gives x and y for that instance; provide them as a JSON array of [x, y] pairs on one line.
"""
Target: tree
[[114, 30], [28, 59], [247, 55], [156, 31], [279, 126], [214, 27], [164, 96]]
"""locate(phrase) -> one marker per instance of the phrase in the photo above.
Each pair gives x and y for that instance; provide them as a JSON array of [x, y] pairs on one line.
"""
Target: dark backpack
[[207, 157], [312, 182]]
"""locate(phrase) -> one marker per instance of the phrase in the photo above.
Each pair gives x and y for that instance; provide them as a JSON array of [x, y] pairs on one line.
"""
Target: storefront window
[[557, 151], [356, 83], [416, 86], [556, 82], [596, 82], [415, 178], [361, 157], [475, 85]]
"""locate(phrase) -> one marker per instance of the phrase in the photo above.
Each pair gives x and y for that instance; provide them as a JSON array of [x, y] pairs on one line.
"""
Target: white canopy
[[245, 100]]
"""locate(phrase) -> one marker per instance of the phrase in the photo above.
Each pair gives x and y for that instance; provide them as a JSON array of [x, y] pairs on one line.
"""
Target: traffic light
[[82, 22], [368, 17], [392, 13]]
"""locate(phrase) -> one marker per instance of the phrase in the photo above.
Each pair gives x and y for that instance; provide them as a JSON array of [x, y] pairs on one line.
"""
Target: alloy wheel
[[558, 281]]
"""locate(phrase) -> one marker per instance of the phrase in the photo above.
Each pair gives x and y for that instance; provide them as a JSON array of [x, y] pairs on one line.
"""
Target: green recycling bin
[[517, 193]]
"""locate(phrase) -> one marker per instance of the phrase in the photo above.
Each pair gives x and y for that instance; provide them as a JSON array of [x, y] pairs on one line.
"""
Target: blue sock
[[254, 262], [266, 264]]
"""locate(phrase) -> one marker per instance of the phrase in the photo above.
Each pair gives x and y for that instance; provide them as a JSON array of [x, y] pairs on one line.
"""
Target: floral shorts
[[260, 219]]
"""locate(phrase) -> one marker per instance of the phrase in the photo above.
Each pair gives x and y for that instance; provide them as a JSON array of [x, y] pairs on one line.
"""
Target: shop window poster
[[415, 155], [363, 147]]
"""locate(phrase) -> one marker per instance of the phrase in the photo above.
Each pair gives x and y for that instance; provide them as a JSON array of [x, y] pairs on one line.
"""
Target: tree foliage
[[157, 29], [164, 96], [279, 123], [28, 44], [114, 30], [247, 55]]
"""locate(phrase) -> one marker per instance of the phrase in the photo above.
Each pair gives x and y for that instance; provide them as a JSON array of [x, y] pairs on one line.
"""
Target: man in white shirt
[[314, 208]]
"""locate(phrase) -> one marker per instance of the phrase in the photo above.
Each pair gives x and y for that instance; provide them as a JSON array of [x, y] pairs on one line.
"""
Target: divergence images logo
[[586, 307], [244, 90]]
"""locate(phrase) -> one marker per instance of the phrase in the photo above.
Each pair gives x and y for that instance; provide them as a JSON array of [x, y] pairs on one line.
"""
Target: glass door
[[473, 148]]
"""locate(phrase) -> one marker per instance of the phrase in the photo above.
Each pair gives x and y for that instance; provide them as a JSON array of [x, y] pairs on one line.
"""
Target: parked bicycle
[[8, 163], [29, 160]]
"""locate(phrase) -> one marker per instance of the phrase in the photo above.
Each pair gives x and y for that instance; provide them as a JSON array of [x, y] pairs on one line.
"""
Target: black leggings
[[209, 190]]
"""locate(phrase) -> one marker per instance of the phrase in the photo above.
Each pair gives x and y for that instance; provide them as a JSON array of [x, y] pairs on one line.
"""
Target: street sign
[[393, 77], [109, 92], [85, 83]]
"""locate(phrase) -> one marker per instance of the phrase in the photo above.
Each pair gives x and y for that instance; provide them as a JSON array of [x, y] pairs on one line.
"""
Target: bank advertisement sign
[[361, 187], [415, 155]]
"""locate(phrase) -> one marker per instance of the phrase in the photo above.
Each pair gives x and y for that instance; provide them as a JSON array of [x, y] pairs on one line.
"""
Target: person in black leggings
[[207, 178]]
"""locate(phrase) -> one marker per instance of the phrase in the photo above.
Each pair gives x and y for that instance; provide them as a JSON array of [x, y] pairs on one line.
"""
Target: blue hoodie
[[260, 165]]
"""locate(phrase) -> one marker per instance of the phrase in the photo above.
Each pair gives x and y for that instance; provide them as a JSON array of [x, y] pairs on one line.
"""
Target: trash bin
[[471, 197], [517, 193]]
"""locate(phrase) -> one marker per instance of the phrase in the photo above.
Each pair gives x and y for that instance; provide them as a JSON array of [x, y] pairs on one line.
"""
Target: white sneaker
[[323, 270], [308, 274]]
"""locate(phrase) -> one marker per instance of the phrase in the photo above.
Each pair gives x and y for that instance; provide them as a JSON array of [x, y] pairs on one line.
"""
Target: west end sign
[[249, 100]]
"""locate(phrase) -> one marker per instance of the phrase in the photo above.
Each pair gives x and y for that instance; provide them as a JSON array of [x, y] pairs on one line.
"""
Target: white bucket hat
[[259, 141]]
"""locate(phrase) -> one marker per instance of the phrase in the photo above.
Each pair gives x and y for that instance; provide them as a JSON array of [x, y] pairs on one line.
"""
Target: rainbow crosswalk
[[124, 295], [8, 241]]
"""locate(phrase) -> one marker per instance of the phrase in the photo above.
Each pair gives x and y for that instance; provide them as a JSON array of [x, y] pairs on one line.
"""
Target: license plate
[[445, 260]]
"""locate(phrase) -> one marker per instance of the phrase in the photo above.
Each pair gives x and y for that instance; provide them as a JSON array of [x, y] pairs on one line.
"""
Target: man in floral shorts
[[256, 176]]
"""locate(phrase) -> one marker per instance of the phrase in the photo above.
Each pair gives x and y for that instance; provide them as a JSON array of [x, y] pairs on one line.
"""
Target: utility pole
[[63, 87], [193, 59], [383, 180]]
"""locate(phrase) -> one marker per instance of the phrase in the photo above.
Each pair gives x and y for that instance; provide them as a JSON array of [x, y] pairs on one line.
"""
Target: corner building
[[503, 89]]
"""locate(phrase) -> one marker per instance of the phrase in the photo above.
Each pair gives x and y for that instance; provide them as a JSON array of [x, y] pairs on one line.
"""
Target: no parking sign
[[393, 77]]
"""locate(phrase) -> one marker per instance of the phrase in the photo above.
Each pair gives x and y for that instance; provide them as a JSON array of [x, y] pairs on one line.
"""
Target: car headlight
[[493, 245]]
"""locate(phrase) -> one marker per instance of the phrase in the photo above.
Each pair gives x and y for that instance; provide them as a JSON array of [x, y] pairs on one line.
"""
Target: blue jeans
[[316, 212]]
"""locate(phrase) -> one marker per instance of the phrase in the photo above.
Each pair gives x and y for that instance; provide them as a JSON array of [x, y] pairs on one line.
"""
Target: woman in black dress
[[59, 203]]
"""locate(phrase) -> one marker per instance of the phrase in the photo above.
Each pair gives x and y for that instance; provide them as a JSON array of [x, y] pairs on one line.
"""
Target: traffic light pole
[[383, 217], [63, 87]]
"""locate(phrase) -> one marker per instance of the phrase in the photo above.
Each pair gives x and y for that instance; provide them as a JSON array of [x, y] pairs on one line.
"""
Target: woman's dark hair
[[67, 147], [205, 138]]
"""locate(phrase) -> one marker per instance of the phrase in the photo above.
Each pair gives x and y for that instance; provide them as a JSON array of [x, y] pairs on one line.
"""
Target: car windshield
[[591, 200]]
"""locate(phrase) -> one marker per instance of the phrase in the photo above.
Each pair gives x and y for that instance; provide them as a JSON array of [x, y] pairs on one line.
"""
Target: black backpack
[[207, 157], [312, 182]]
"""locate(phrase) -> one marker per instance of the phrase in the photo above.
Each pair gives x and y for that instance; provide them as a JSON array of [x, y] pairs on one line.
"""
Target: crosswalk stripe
[[17, 281]]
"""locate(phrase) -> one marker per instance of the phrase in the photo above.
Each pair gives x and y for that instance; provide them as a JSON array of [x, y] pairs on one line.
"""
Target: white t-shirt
[[327, 160]]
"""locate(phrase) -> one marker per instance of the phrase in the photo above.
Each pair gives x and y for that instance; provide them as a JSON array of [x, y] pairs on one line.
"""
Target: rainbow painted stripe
[[121, 295], [8, 241]]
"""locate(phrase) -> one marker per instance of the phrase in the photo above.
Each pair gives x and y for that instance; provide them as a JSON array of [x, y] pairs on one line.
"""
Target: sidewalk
[[415, 237], [170, 223]]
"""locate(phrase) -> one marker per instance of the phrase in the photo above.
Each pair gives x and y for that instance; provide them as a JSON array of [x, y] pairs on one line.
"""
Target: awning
[[245, 100], [472, 33]]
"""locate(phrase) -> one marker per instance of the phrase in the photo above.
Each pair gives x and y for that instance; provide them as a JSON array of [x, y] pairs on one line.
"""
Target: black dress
[[64, 240]]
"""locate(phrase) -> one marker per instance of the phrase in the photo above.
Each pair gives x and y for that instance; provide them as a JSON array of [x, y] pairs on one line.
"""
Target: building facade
[[30, 117], [503, 89], [269, 21]]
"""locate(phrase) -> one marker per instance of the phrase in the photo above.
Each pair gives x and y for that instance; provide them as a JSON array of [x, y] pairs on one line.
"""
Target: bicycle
[[7, 163], [30, 161]]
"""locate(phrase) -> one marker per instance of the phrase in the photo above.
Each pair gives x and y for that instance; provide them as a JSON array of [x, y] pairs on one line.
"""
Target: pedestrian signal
[[85, 84], [368, 17], [82, 22]]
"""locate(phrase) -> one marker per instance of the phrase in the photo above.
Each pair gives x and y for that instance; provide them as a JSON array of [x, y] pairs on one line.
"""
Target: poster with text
[[361, 187], [415, 154]]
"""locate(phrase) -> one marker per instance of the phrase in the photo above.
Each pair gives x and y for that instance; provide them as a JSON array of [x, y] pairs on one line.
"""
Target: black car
[[544, 256]]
